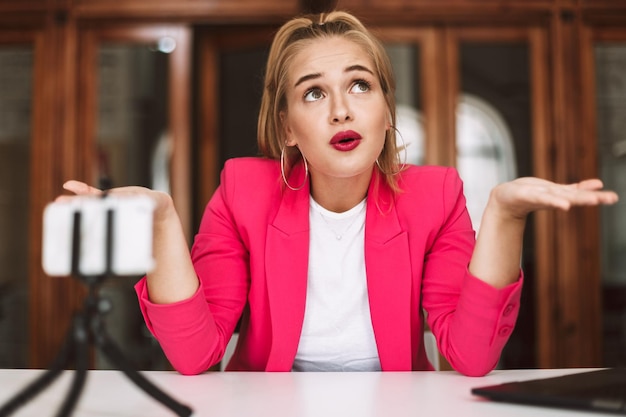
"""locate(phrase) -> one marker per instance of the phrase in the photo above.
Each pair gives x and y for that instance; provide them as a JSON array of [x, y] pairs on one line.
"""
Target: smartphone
[[92, 236]]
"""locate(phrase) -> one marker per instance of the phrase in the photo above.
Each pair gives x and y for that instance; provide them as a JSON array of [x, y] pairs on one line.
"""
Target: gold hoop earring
[[282, 171], [401, 164]]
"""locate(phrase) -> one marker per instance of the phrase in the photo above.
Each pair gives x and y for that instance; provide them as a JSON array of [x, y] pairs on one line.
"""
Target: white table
[[247, 394]]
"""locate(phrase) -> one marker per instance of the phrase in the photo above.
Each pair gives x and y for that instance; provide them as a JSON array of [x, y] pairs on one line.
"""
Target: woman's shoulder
[[254, 179], [251, 163], [426, 175], [252, 170], [429, 183], [436, 189]]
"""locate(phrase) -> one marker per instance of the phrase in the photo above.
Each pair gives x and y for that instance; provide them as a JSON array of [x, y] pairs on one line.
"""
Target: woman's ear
[[286, 129]]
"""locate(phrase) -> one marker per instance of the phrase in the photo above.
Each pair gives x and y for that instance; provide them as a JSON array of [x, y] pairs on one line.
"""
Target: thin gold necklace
[[339, 236]]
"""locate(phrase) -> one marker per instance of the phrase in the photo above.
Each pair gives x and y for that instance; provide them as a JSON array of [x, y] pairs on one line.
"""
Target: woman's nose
[[340, 111]]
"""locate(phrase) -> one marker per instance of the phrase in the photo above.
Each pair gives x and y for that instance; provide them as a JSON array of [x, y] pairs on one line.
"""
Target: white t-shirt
[[337, 333]]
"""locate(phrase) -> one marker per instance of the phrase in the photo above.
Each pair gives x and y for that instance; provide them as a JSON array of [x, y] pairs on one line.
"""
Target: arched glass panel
[[485, 153]]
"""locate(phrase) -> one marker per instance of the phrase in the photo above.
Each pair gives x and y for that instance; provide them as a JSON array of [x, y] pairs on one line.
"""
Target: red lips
[[346, 141]]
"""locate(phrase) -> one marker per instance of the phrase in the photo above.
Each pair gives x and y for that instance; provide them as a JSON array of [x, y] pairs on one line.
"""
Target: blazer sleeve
[[471, 320], [194, 333]]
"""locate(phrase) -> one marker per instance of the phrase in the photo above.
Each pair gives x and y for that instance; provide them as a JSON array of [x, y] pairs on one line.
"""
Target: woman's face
[[336, 111]]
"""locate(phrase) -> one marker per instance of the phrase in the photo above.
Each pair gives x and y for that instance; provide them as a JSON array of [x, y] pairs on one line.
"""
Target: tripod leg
[[81, 337], [116, 356], [44, 380]]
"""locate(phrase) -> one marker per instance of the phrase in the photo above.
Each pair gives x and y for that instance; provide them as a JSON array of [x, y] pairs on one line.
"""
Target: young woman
[[328, 248]]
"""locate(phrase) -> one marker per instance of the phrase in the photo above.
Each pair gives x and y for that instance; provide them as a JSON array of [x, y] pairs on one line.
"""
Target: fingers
[[585, 193], [554, 199], [83, 189], [590, 184], [80, 188], [592, 192], [529, 194]]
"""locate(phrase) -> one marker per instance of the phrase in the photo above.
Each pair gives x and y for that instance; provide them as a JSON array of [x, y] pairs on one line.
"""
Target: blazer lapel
[[286, 260], [388, 266]]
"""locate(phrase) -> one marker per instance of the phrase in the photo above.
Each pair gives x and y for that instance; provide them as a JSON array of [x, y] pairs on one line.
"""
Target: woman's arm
[[175, 311], [496, 257], [472, 311]]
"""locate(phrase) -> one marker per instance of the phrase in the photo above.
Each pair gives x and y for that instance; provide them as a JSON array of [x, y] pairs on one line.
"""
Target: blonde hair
[[291, 38]]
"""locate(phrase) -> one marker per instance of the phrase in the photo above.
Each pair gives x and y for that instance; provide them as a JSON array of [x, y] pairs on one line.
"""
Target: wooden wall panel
[[577, 312], [449, 11], [197, 10], [610, 5], [54, 160], [543, 162], [23, 5]]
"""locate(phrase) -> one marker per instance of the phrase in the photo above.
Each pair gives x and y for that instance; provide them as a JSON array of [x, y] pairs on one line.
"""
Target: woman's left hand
[[498, 248], [522, 196]]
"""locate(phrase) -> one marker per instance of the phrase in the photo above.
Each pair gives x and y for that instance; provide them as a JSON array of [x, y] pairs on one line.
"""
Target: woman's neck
[[339, 194]]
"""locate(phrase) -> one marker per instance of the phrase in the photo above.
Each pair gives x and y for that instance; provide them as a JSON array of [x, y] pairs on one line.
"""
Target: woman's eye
[[360, 86], [313, 94]]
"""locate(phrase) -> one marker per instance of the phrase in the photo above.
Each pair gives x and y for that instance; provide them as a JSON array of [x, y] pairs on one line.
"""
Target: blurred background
[[161, 92]]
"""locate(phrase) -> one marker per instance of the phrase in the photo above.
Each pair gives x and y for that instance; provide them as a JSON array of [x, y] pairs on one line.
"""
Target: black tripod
[[88, 327]]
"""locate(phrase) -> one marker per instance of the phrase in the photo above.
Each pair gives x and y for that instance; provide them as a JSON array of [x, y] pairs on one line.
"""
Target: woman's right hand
[[173, 278], [163, 201]]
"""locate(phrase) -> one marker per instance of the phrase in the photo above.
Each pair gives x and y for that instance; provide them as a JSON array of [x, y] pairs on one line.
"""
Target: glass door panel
[[133, 147], [493, 143], [16, 85], [132, 116], [610, 70], [405, 58], [241, 72], [493, 119]]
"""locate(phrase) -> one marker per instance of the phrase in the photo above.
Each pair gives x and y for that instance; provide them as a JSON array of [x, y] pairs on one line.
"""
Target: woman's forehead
[[334, 53]]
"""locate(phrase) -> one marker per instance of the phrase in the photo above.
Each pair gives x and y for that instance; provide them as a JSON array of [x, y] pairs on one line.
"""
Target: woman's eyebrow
[[356, 67], [307, 77]]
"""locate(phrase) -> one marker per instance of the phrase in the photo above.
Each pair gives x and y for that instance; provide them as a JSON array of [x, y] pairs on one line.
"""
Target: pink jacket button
[[504, 331], [508, 310]]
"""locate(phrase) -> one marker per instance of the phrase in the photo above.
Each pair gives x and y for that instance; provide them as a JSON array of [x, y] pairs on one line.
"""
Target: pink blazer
[[251, 255]]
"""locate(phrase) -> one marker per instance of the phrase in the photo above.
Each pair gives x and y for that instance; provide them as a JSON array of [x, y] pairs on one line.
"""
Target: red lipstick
[[346, 141]]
